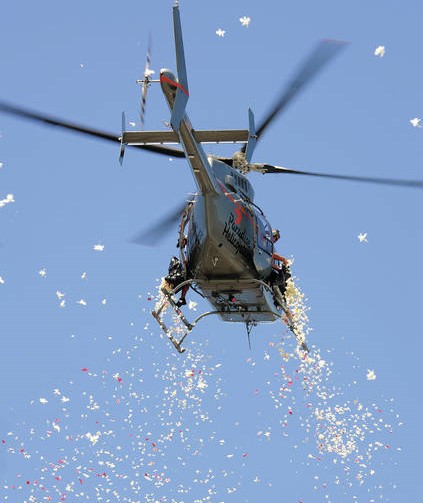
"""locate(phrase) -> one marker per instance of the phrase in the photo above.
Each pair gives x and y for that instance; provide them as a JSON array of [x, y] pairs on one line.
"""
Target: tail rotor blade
[[145, 83], [143, 101]]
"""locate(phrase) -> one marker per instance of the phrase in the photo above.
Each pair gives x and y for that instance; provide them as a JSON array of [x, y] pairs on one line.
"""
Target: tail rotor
[[145, 83]]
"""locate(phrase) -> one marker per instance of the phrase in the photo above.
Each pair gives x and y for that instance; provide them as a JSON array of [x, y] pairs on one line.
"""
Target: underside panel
[[241, 300]]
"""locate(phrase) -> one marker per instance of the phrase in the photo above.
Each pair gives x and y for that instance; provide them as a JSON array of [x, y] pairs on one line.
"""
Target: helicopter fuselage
[[225, 240]]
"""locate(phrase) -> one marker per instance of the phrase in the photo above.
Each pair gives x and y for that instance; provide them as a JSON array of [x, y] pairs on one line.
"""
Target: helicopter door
[[264, 246]]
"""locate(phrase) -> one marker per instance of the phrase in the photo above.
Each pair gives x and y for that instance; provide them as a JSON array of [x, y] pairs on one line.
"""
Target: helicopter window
[[264, 234]]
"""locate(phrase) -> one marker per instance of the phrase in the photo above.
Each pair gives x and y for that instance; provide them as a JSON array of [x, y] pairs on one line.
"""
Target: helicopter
[[226, 244]]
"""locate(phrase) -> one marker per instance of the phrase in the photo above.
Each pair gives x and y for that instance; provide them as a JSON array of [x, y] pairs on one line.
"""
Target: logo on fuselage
[[237, 236]]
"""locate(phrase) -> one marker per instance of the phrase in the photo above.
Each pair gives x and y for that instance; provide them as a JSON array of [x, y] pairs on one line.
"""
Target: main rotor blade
[[320, 56], [268, 168], [158, 231], [78, 128]]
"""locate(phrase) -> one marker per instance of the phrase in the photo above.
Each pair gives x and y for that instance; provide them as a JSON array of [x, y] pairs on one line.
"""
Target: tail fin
[[182, 92], [252, 137]]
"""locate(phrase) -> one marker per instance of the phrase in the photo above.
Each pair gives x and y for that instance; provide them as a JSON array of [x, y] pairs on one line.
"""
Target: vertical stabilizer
[[182, 92], [252, 137]]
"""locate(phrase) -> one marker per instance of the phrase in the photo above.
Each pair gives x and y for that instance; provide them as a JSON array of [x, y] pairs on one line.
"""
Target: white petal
[[380, 51]]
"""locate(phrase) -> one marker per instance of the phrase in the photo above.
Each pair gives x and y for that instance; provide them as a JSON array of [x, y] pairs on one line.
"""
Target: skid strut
[[189, 326], [169, 300]]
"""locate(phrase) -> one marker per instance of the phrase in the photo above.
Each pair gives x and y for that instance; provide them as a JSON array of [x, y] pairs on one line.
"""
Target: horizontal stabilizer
[[159, 137]]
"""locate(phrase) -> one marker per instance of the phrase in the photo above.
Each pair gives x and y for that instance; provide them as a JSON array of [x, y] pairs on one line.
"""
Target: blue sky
[[88, 389]]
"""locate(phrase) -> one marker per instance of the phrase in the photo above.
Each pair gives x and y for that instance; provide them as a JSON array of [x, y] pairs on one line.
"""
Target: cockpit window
[[264, 234]]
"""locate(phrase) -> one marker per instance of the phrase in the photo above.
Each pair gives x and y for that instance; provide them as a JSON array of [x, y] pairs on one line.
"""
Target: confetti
[[7, 200], [415, 122], [2, 281], [93, 438], [245, 21], [380, 51], [362, 237], [371, 376], [220, 32], [98, 247], [134, 428], [42, 272]]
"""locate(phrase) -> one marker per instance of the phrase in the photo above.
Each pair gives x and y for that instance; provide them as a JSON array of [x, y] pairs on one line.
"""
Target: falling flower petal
[[371, 376], [93, 438], [380, 51], [8, 199], [118, 433], [220, 32], [245, 21], [191, 305]]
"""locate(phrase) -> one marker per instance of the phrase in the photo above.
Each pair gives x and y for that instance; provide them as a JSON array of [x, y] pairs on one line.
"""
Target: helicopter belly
[[218, 244], [241, 300], [220, 260]]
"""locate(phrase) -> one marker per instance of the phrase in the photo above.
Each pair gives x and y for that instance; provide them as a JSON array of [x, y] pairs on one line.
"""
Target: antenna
[[249, 325]]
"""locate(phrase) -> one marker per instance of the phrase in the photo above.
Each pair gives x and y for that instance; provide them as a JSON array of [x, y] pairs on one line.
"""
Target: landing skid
[[169, 300]]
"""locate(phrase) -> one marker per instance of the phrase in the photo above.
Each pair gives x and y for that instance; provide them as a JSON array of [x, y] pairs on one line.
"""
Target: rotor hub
[[239, 162]]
